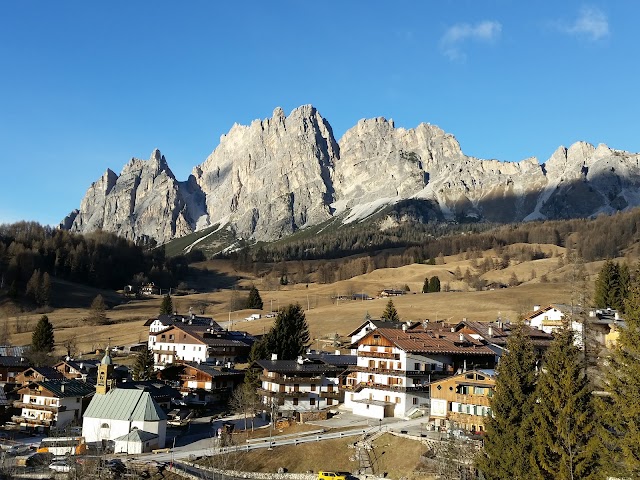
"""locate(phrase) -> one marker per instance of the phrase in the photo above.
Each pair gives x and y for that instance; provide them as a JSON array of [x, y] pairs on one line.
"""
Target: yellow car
[[331, 476]]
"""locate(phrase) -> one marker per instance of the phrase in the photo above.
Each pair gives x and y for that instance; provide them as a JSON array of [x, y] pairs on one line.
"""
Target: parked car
[[331, 476]]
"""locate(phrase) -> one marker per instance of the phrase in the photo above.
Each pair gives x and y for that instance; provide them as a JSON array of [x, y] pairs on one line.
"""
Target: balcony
[[335, 395], [47, 422], [383, 371], [292, 380], [39, 407], [391, 388], [392, 356], [289, 393]]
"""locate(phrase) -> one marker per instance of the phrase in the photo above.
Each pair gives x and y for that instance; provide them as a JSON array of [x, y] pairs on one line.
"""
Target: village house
[[495, 335], [10, 367], [306, 386], [395, 367], [203, 383], [391, 292], [370, 324], [603, 324], [37, 374], [196, 343], [163, 321], [73, 369], [52, 403], [462, 401]]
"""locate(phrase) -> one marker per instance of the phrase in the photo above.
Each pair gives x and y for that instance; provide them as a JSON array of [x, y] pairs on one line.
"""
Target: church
[[129, 419]]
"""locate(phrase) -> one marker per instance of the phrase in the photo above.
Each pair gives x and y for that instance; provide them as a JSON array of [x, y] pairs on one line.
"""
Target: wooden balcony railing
[[392, 356]]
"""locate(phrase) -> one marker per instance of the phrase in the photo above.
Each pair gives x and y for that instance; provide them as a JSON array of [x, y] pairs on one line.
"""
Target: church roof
[[124, 404], [136, 435]]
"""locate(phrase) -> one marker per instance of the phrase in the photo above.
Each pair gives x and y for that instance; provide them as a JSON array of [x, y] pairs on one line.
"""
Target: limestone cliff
[[278, 175]]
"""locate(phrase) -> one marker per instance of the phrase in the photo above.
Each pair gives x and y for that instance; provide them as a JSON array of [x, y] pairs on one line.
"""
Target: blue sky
[[85, 86]]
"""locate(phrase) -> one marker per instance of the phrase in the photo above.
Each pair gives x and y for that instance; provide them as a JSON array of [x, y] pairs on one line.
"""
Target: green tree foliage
[[166, 307], [508, 432], [434, 284], [42, 339], [254, 300], [99, 259], [288, 337], [564, 422], [620, 408], [97, 313], [425, 285], [143, 366], [612, 285], [390, 313]]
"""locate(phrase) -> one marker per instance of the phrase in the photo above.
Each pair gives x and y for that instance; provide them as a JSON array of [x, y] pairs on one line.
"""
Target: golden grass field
[[326, 315]]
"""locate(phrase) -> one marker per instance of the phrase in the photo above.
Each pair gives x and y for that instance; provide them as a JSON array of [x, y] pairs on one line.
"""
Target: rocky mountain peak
[[277, 175]]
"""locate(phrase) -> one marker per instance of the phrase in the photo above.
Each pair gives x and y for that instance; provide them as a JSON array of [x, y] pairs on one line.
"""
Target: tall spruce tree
[[287, 338], [254, 300], [390, 313], [42, 338], [434, 284], [425, 285], [508, 431], [166, 307], [143, 365], [620, 408], [565, 445], [609, 290]]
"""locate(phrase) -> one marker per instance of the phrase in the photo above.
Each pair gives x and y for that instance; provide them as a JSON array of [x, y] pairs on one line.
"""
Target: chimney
[[490, 331], [337, 352], [300, 360], [404, 327], [462, 337], [616, 316], [536, 308], [274, 356]]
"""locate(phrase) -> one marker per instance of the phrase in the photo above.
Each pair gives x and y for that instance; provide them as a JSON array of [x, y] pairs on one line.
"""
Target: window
[[480, 377], [295, 401], [439, 387], [312, 401], [387, 398], [171, 337], [184, 347], [398, 400], [469, 376], [329, 401], [416, 366], [313, 387], [415, 400]]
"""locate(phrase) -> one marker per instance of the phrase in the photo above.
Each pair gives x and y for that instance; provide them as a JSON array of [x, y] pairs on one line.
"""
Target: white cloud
[[591, 23], [451, 41]]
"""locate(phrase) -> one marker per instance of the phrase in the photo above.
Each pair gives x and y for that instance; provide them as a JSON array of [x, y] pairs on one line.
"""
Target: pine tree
[[254, 300], [42, 339], [620, 409], [143, 366], [608, 288], [434, 284], [287, 338], [32, 290], [390, 313], [425, 286], [508, 434], [564, 423], [166, 307]]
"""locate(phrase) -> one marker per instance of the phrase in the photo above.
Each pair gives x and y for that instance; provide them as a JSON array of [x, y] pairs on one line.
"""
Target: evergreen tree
[[508, 433], [620, 409], [288, 337], [42, 339], [564, 426], [32, 290], [254, 300], [143, 366], [434, 284], [98, 309], [608, 288], [166, 307], [425, 286], [390, 313]]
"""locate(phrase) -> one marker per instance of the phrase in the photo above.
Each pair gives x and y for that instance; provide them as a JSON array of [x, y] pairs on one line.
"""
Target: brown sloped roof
[[433, 342]]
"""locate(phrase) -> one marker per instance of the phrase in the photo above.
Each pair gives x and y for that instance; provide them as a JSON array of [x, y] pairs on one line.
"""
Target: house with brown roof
[[462, 401], [200, 344], [395, 367], [38, 374], [204, 383]]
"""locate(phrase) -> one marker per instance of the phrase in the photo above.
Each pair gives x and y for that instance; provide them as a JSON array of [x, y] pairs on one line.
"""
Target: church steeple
[[105, 373]]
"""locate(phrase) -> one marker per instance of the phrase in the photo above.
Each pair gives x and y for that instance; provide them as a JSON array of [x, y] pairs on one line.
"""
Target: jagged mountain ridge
[[271, 178]]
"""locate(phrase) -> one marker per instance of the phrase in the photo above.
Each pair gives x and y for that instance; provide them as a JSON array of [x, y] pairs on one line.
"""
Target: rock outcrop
[[276, 176]]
